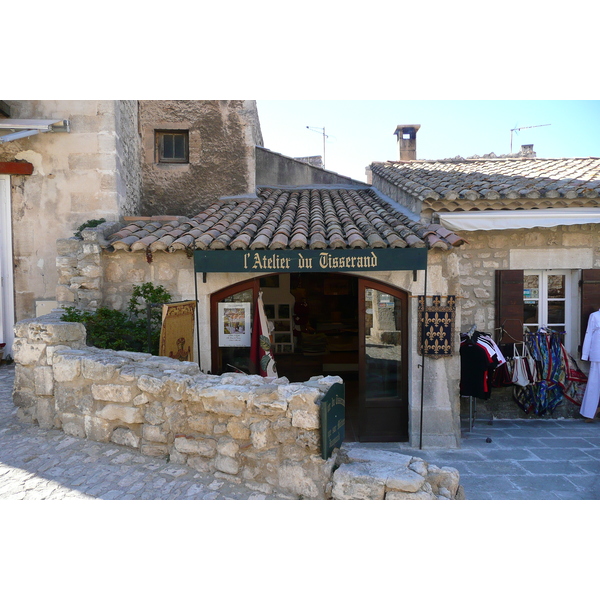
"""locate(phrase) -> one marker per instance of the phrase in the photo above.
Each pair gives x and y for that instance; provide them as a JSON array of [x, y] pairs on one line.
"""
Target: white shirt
[[591, 342]]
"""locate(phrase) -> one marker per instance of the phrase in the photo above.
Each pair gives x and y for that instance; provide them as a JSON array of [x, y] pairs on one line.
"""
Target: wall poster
[[235, 328]]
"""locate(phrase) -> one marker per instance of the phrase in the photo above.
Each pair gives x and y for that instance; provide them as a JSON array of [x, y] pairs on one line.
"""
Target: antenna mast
[[318, 130], [519, 129]]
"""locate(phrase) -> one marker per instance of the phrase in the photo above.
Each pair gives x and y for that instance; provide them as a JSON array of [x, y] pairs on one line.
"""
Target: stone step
[[374, 474]]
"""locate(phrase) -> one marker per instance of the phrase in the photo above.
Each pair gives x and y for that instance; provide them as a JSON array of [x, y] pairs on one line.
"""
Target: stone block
[[28, 353], [72, 398], [50, 350], [223, 400], [45, 413], [112, 392], [259, 434], [293, 478], [175, 416], [125, 437], [202, 423], [199, 463], [227, 464], [55, 332], [447, 478], [66, 365], [126, 414], [305, 420], [97, 429], [73, 425], [154, 413], [266, 401], [354, 481], [227, 447], [152, 385], [141, 399], [44, 381], [153, 433], [238, 430], [67, 246], [202, 447], [102, 366], [153, 449]]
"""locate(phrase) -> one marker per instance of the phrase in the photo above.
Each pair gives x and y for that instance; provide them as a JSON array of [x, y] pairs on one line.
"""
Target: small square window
[[172, 146]]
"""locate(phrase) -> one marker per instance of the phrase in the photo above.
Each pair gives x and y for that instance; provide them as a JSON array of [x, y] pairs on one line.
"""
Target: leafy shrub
[[90, 223], [117, 330]]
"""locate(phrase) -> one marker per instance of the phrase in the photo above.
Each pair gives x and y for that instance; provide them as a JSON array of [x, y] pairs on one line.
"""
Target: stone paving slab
[[523, 459]]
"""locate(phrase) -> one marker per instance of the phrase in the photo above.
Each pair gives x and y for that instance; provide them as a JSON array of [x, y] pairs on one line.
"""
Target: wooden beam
[[16, 168]]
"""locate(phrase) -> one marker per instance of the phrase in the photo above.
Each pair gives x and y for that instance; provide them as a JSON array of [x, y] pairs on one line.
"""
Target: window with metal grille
[[172, 146]]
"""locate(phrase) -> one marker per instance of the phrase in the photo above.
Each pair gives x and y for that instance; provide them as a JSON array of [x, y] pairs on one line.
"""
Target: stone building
[[64, 163], [533, 227]]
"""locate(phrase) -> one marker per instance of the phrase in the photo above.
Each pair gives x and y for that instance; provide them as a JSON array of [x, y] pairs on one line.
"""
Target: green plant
[[90, 223], [118, 330]]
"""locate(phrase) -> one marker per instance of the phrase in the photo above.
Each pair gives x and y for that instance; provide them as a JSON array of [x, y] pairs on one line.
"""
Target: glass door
[[383, 354], [224, 357]]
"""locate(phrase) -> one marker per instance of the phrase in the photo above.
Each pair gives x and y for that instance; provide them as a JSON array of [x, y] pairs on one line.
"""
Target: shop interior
[[315, 319]]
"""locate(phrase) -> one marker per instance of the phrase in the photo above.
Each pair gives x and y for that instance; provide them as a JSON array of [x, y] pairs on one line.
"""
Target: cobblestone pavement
[[38, 464], [521, 459]]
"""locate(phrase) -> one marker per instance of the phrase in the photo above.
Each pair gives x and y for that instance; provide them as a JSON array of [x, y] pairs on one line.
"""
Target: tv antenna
[[320, 130], [519, 129]]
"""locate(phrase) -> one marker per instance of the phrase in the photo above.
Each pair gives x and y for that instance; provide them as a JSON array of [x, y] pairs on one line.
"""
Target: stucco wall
[[77, 176], [222, 137], [275, 169]]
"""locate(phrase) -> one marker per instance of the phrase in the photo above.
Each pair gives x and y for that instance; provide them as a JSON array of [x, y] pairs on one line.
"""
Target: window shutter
[[590, 297], [509, 305]]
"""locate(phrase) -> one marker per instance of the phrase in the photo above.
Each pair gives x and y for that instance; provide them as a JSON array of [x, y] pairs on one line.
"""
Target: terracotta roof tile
[[298, 218], [464, 184]]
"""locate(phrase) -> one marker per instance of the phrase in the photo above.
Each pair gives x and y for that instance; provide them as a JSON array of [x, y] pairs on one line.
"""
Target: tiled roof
[[297, 218], [466, 184]]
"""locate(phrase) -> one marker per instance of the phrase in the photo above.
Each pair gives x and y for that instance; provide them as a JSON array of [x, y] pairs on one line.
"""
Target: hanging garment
[[591, 351], [591, 397], [477, 365], [591, 343]]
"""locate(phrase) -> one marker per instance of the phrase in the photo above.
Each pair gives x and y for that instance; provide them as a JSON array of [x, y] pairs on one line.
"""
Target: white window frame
[[7, 305], [571, 327]]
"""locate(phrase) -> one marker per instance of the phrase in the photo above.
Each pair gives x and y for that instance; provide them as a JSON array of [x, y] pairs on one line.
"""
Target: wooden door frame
[[215, 298], [403, 296]]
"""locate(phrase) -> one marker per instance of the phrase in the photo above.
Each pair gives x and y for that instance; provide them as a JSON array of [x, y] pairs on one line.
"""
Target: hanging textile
[[436, 327], [559, 376], [177, 331], [261, 353]]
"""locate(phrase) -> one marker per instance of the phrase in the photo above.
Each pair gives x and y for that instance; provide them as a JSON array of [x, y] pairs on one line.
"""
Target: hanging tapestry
[[177, 332], [436, 327]]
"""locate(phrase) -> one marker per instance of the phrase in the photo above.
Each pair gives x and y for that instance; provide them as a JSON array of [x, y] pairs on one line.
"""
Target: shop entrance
[[334, 324]]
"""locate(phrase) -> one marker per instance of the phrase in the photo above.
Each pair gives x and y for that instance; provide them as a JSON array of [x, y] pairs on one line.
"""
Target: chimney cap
[[401, 128]]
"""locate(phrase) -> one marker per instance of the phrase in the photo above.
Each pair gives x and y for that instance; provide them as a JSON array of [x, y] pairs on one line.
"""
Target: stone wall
[[572, 248], [222, 138], [77, 176], [264, 433]]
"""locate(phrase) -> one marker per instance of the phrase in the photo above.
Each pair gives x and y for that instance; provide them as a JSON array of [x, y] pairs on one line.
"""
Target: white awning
[[21, 128], [489, 220]]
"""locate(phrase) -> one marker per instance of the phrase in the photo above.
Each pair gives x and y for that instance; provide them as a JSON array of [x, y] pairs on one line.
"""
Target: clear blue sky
[[362, 131]]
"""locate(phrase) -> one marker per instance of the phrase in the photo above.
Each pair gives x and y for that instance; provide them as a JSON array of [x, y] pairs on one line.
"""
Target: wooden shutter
[[509, 304], [590, 297]]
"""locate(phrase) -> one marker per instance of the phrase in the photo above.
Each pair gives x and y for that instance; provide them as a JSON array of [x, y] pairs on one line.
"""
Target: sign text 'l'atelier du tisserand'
[[298, 261]]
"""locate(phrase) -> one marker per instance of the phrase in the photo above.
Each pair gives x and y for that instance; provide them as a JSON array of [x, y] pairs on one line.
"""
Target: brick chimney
[[407, 141]]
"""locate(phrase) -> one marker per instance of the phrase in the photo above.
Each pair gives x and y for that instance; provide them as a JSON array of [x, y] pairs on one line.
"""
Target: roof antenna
[[318, 130], [519, 129]]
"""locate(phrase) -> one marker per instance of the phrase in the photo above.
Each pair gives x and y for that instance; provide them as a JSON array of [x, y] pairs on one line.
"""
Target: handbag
[[524, 368]]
